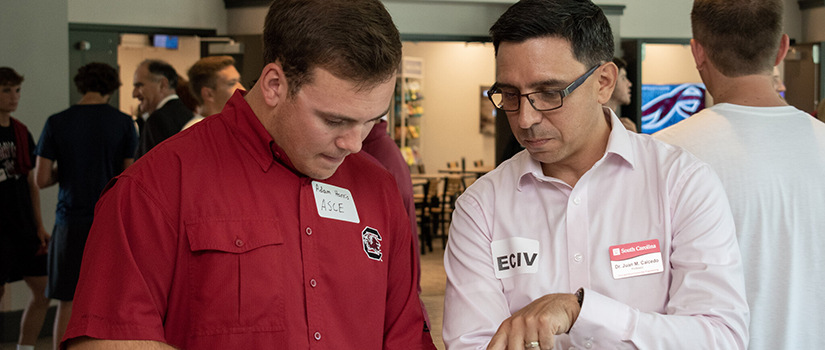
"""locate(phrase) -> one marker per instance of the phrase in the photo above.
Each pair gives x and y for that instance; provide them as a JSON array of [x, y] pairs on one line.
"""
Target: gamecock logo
[[372, 243]]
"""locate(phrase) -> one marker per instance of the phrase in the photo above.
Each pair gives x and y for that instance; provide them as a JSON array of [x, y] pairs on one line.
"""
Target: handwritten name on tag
[[334, 202]]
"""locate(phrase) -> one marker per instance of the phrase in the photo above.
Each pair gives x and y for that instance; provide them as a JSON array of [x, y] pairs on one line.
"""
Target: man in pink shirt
[[594, 236]]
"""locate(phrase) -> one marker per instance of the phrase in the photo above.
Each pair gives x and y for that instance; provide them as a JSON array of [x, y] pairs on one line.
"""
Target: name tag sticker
[[515, 256], [334, 202], [636, 259]]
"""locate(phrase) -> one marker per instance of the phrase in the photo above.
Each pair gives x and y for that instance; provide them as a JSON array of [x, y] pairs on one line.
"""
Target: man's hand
[[539, 322]]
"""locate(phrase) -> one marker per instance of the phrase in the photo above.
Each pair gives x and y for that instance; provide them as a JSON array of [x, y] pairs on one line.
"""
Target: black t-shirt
[[17, 223]]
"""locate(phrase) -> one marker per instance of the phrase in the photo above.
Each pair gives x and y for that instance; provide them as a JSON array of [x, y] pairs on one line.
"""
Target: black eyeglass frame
[[563, 93]]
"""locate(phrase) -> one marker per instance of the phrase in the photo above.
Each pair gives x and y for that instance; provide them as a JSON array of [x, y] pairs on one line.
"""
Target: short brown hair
[[355, 40], [9, 76], [204, 73], [740, 37]]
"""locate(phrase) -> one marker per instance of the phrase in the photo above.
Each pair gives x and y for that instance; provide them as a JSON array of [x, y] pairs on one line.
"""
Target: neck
[[613, 105], [207, 110], [254, 98], [93, 98], [5, 118], [570, 170], [750, 90]]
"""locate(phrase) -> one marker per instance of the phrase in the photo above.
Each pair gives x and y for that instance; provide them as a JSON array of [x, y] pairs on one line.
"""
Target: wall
[[200, 14], [34, 43], [813, 23], [669, 64], [453, 73]]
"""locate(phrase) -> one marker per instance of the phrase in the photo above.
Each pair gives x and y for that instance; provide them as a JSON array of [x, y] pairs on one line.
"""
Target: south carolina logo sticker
[[372, 243]]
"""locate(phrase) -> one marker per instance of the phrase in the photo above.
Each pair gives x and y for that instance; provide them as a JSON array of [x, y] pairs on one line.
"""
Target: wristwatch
[[580, 296]]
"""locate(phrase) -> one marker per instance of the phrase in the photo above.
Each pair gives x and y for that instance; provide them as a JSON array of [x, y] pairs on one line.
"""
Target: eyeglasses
[[541, 101]]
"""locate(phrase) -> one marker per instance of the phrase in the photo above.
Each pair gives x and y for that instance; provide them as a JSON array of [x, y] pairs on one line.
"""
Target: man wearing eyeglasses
[[594, 236]]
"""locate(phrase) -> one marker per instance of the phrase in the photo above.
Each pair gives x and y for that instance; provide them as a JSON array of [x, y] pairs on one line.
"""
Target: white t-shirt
[[771, 161]]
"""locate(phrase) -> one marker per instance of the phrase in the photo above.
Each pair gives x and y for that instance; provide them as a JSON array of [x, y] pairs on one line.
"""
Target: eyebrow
[[549, 83], [332, 115]]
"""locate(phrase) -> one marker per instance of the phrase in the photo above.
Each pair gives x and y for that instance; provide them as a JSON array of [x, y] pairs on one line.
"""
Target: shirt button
[[588, 345], [309, 231], [312, 283], [238, 243], [317, 335], [577, 200], [572, 348], [578, 257]]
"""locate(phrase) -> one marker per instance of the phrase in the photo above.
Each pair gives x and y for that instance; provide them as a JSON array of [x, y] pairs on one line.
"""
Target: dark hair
[[205, 73], [186, 96], [740, 37], [355, 40], [9, 76], [619, 62], [97, 77], [580, 22], [160, 68]]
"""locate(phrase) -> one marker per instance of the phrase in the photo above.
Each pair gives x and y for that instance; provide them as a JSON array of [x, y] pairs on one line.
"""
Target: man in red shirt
[[261, 228]]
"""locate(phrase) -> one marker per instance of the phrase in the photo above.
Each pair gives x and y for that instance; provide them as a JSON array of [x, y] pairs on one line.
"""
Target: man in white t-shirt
[[771, 159]]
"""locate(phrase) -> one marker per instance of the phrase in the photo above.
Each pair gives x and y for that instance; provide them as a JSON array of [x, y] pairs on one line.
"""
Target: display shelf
[[408, 109]]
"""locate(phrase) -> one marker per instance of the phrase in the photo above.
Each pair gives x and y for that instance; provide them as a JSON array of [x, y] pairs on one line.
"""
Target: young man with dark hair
[[23, 239], [770, 157], [594, 236], [213, 80], [261, 227], [91, 142], [165, 114]]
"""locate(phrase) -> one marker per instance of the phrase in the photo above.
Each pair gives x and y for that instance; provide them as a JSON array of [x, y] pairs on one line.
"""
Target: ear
[[608, 73], [207, 94], [164, 83], [698, 54], [273, 84], [784, 45]]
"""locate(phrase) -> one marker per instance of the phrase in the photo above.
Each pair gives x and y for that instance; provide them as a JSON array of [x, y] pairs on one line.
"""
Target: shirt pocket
[[235, 286]]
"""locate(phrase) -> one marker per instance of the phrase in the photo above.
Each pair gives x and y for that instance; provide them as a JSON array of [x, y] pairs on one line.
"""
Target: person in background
[[154, 86], [213, 80], [262, 227], [91, 142], [621, 94], [778, 84], [380, 147], [547, 251], [185, 95], [771, 159], [23, 239]]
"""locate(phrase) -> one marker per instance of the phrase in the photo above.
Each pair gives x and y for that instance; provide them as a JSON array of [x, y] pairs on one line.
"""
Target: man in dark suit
[[155, 82]]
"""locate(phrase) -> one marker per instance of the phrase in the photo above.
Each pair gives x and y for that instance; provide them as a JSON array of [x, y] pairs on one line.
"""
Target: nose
[[527, 116], [135, 92], [352, 139]]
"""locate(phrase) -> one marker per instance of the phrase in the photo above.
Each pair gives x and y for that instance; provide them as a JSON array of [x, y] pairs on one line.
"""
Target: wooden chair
[[442, 214], [426, 213]]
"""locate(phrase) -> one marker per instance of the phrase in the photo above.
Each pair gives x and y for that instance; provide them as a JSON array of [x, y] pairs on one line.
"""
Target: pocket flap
[[233, 235]]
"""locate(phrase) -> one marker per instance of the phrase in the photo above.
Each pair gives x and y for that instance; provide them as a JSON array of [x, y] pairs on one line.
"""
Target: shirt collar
[[618, 144], [252, 135], [166, 99]]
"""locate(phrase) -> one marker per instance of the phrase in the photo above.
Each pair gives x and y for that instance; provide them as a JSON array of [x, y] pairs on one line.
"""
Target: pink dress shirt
[[540, 236]]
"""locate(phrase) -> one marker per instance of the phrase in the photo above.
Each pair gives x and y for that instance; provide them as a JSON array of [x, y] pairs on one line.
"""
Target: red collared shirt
[[212, 240]]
